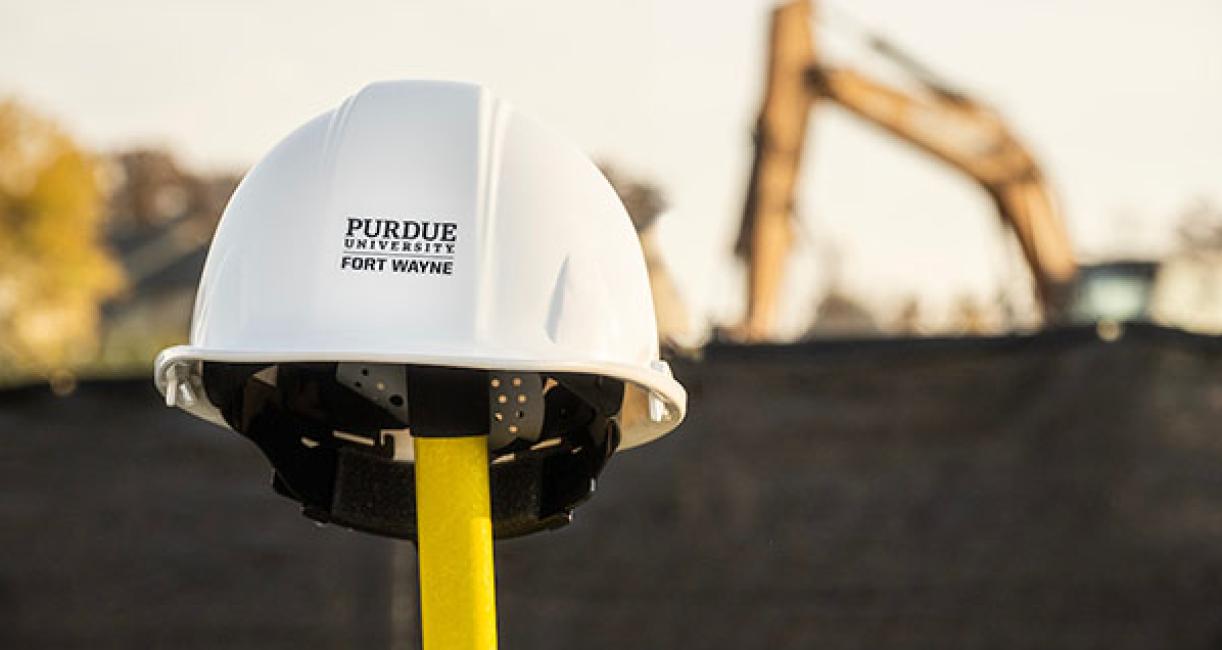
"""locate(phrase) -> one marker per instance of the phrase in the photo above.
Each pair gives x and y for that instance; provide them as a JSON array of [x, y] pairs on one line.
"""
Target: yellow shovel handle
[[454, 538]]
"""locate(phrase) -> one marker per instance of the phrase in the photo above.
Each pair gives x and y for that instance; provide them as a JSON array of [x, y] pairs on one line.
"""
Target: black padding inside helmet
[[352, 479]]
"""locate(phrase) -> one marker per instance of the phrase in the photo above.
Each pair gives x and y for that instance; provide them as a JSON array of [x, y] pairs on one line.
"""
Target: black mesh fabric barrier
[[1053, 491], [125, 524]]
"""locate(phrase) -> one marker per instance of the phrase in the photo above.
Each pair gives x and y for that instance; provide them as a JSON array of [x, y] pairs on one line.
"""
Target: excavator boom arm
[[974, 140], [949, 126]]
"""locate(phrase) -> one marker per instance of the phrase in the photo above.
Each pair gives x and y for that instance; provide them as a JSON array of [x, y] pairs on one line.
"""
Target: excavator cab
[[1118, 291]]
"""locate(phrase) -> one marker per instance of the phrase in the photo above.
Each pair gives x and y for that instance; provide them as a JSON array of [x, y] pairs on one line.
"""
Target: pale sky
[[1119, 100]]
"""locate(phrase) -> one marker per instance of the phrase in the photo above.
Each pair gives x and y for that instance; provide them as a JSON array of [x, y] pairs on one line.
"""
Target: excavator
[[936, 118]]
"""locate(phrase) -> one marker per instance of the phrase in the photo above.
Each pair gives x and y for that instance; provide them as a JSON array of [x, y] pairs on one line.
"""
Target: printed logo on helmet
[[399, 246]]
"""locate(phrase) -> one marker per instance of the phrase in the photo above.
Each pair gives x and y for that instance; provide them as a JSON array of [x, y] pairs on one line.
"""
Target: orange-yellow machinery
[[938, 120]]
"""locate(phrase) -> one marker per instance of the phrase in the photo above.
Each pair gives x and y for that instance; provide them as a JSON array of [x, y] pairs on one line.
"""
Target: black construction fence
[[1044, 491]]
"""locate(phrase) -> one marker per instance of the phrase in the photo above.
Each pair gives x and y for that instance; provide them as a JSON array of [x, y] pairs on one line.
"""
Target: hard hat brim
[[641, 423]]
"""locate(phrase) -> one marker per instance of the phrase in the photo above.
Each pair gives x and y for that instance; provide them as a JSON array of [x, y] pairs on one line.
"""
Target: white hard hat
[[425, 225]]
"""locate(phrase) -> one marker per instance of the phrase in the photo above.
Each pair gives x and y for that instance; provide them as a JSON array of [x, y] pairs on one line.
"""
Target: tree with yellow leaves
[[54, 270]]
